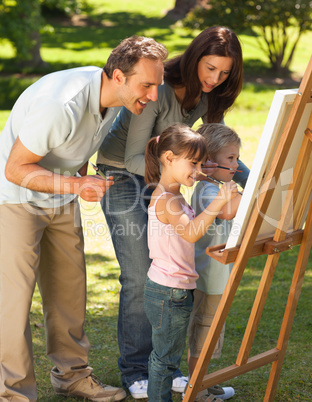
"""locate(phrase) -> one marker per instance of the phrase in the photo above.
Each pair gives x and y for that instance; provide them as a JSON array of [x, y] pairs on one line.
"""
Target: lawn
[[89, 41]]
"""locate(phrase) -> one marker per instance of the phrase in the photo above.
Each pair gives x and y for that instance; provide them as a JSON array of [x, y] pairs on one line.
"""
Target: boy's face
[[227, 157]]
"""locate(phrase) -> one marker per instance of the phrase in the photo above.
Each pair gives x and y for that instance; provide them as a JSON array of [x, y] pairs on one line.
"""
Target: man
[[56, 125]]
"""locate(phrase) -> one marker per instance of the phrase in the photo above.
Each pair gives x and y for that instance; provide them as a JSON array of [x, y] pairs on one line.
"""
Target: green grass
[[102, 309], [69, 46]]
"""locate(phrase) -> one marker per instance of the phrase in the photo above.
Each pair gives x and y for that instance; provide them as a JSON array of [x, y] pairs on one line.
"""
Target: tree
[[277, 25], [21, 22]]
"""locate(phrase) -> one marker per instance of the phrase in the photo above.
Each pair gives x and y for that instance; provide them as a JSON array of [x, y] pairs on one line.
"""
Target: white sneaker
[[218, 392], [138, 389], [179, 383], [228, 393], [222, 392]]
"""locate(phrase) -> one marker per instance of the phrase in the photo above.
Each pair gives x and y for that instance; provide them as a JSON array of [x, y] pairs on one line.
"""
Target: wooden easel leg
[[291, 306], [257, 309]]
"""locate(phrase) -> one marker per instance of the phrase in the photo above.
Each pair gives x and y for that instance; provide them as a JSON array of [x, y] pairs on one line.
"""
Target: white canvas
[[274, 126]]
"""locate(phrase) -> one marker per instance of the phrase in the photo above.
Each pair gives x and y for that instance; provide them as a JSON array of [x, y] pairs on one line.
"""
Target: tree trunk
[[35, 51], [181, 8], [35, 59]]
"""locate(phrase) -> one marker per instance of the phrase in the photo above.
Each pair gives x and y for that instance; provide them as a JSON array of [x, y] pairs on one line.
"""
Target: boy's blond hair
[[218, 136]]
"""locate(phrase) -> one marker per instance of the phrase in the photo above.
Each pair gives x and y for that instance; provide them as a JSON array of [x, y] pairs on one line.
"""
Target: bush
[[65, 7]]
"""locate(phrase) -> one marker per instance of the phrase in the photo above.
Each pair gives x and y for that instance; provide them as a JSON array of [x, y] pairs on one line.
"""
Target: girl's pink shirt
[[173, 257]]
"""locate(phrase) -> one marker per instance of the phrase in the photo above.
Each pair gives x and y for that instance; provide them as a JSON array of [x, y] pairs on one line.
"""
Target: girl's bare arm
[[169, 210]]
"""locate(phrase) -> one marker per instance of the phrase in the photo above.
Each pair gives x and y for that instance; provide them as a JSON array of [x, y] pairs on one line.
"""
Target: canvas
[[273, 129]]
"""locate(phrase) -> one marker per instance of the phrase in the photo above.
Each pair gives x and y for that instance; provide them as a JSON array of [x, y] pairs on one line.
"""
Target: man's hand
[[22, 169], [92, 188]]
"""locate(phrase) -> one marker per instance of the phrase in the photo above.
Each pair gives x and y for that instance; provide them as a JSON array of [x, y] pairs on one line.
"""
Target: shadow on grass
[[101, 272], [106, 30], [10, 89], [98, 258]]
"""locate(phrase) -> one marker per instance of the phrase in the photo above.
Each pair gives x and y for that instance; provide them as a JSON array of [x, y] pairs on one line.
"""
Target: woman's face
[[213, 70]]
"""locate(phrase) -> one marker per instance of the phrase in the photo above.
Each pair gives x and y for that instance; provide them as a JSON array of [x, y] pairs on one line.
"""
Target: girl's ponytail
[[152, 162]]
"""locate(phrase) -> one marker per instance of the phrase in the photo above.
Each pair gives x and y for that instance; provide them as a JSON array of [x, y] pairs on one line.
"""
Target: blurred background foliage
[[277, 26]]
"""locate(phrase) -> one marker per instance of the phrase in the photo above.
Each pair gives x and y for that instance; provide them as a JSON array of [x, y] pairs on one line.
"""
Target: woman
[[202, 83]]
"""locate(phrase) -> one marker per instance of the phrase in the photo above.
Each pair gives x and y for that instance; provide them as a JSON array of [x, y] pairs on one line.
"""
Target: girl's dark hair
[[182, 71], [178, 138]]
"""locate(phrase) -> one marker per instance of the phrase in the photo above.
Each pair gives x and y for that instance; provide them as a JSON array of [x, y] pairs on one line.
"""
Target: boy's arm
[[229, 210]]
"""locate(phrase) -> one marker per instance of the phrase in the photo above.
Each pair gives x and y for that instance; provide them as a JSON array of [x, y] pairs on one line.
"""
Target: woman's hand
[[208, 169]]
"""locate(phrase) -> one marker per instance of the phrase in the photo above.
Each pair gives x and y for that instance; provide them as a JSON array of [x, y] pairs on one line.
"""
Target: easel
[[282, 240]]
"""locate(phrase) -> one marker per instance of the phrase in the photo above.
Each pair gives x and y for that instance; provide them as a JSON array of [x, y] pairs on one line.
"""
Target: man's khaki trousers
[[43, 245]]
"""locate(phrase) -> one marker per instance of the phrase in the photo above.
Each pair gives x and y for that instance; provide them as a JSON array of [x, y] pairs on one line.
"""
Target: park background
[[87, 39]]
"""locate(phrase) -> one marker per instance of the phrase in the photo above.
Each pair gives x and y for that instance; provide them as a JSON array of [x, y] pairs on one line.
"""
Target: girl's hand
[[229, 190], [208, 169]]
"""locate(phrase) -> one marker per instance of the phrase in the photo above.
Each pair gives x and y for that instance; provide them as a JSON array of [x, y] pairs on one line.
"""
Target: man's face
[[142, 86]]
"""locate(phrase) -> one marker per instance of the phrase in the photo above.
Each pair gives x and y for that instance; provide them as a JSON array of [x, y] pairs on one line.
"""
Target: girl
[[172, 231]]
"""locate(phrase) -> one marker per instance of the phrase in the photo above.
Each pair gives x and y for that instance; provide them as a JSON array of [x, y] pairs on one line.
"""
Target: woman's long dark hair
[[182, 71]]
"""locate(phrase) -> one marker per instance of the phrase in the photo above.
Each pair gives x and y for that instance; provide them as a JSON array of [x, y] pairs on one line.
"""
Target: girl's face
[[227, 157], [183, 170], [213, 71]]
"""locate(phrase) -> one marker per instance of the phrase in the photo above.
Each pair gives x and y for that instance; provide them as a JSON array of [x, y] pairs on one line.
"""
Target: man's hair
[[127, 54]]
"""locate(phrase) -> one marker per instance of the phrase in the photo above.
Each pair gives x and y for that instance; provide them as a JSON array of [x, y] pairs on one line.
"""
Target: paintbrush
[[213, 179], [98, 171], [226, 168], [209, 177]]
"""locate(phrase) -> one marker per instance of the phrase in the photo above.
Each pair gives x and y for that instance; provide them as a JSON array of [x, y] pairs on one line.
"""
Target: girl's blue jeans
[[168, 310]]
